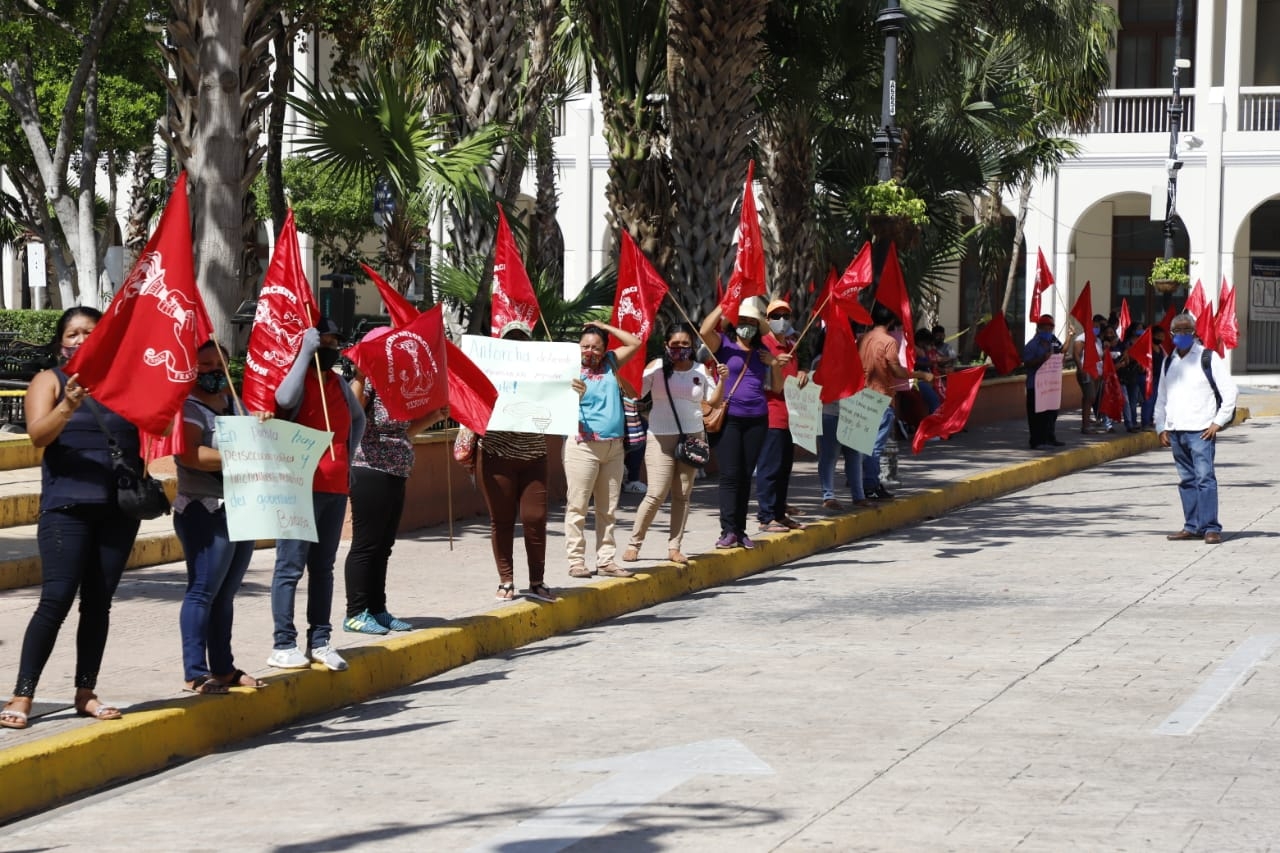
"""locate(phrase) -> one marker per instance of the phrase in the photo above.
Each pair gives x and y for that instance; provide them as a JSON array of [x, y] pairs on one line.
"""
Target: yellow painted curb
[[21, 510], [18, 453], [39, 774]]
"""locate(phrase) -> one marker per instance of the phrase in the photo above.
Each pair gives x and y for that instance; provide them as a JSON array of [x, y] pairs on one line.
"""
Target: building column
[[1232, 61], [11, 276]]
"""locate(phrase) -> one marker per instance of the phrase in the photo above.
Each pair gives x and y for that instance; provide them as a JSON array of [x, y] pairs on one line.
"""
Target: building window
[[1144, 48], [1136, 241], [1264, 228], [1266, 60]]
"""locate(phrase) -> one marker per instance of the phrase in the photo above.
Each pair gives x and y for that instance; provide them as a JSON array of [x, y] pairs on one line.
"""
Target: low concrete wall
[[1005, 399]]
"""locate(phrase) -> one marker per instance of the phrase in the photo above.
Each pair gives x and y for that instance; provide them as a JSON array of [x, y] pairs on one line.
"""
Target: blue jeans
[[215, 569], [828, 447], [773, 474], [1197, 483], [292, 555], [871, 464]]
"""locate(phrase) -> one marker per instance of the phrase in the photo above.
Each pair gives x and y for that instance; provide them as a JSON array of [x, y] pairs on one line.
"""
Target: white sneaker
[[328, 657], [288, 659]]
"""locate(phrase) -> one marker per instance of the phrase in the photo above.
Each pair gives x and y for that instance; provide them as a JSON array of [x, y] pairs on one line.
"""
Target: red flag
[[408, 366], [845, 291], [892, 294], [1207, 328], [1112, 404], [1124, 320], [1044, 281], [140, 361], [748, 277], [1140, 353], [1082, 311], [1228, 328], [840, 372], [398, 308], [1196, 302], [962, 392], [635, 304], [286, 309], [472, 395], [1165, 322], [175, 443], [513, 297], [996, 340]]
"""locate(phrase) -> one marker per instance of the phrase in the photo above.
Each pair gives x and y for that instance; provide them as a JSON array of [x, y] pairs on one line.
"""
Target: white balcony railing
[[1140, 111], [1259, 108]]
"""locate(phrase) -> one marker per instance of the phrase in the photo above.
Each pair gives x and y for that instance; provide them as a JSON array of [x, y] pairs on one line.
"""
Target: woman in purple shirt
[[752, 371]]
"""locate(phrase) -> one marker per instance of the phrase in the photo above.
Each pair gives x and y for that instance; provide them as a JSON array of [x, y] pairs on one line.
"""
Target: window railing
[[1140, 111], [1259, 108]]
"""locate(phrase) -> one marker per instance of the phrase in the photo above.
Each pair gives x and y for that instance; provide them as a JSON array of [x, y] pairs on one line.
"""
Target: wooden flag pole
[[812, 319], [680, 308], [448, 490], [324, 402], [227, 370]]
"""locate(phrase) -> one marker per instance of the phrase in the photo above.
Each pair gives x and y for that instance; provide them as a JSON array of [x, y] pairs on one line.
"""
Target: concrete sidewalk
[[448, 592]]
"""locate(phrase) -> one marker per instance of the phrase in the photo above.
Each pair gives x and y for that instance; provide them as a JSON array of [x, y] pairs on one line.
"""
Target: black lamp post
[[892, 22], [1173, 164]]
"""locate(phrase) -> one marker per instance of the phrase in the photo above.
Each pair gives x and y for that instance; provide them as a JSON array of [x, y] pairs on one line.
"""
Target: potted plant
[[893, 211], [1169, 274]]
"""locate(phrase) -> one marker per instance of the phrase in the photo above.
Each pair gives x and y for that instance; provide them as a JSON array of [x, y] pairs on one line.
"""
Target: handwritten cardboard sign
[[804, 412], [533, 379], [860, 417], [267, 471], [1049, 384]]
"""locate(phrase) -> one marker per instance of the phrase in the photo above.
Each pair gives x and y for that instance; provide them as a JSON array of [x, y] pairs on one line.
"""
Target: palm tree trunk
[[141, 205], [546, 244], [789, 219], [1024, 204]]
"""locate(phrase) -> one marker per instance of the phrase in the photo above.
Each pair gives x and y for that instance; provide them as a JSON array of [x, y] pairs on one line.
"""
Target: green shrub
[[35, 327], [1170, 269], [892, 199]]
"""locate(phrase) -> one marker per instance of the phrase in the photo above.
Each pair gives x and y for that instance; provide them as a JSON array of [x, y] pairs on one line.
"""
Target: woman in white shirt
[[678, 385]]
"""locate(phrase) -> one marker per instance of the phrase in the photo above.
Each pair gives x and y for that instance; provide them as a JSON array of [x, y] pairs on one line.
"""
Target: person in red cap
[[1042, 425], [777, 455]]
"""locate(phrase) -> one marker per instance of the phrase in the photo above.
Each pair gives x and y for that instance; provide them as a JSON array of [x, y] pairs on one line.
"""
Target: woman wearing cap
[[379, 472], [752, 371], [773, 473], [593, 459]]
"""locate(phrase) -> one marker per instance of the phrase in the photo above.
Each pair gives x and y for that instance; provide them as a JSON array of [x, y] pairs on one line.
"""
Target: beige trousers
[[663, 472], [592, 469]]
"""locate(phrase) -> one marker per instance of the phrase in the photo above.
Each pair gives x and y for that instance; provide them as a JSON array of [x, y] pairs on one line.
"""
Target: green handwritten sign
[[860, 417], [267, 470]]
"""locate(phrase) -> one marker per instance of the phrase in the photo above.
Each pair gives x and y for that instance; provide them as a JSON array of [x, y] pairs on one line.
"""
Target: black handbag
[[690, 449], [138, 494]]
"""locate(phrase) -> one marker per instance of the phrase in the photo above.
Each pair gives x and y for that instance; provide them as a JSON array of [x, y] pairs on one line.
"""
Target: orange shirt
[[879, 353]]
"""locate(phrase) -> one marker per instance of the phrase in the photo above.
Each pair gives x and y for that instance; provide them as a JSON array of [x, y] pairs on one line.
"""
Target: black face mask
[[328, 357], [212, 383]]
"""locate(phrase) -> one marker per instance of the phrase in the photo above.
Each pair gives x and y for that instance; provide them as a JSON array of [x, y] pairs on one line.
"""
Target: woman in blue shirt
[[593, 459]]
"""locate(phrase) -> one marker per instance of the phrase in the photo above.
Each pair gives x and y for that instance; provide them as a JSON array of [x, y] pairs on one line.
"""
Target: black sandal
[[206, 685], [541, 592], [238, 677]]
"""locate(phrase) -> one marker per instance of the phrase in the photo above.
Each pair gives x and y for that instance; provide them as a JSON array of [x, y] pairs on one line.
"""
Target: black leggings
[[377, 502], [82, 548], [737, 452]]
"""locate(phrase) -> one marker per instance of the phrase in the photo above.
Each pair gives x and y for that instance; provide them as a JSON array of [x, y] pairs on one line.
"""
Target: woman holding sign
[[593, 459], [215, 565], [679, 386], [379, 473]]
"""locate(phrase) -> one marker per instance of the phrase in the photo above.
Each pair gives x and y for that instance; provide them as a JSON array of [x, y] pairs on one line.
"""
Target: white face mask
[[746, 331], [780, 326]]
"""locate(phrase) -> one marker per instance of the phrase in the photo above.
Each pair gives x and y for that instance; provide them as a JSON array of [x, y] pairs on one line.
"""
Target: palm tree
[[380, 129]]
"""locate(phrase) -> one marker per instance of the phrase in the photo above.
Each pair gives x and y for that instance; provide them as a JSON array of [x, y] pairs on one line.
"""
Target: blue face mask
[[1045, 336], [1095, 331], [1184, 340]]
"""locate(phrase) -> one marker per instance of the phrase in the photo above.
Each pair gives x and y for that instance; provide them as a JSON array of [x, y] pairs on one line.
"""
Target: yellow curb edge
[[42, 773]]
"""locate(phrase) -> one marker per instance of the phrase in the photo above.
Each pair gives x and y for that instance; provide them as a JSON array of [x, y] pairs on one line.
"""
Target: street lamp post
[[1173, 164], [892, 22]]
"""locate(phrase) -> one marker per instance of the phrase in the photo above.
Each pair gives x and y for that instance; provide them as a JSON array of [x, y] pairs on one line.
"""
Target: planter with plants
[[1169, 274], [893, 211]]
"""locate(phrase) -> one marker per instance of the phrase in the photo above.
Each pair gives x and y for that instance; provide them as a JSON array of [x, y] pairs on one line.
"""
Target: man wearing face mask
[[1197, 398], [777, 455], [1041, 425], [304, 397]]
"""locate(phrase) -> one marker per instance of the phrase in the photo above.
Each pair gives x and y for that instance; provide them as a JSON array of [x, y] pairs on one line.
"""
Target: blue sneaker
[[745, 541], [391, 623], [363, 624]]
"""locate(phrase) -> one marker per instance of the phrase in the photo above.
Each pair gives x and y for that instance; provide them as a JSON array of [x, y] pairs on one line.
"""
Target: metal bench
[[20, 361]]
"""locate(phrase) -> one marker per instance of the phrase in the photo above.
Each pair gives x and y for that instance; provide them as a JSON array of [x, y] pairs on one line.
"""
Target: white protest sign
[[804, 412], [860, 417], [267, 470], [1049, 384], [533, 379]]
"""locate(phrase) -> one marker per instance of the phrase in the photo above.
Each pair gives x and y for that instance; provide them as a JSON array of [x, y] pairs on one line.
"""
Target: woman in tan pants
[[678, 385]]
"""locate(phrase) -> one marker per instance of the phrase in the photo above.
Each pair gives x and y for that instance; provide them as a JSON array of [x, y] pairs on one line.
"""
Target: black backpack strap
[[1206, 364]]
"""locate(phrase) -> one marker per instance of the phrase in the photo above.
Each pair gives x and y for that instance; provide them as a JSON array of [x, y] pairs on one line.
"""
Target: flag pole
[[448, 490], [324, 402], [687, 319], [812, 318], [227, 370]]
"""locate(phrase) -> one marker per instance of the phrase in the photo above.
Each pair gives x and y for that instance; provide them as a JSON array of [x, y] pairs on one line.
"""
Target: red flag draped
[[513, 297], [1165, 322], [1124, 320], [996, 340], [1196, 301], [1082, 311], [472, 395], [962, 392], [844, 292], [1228, 327], [1112, 404], [748, 277], [840, 372], [1140, 353], [140, 361], [407, 366], [1207, 328], [892, 294], [635, 306], [1044, 281], [286, 309], [175, 443]]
